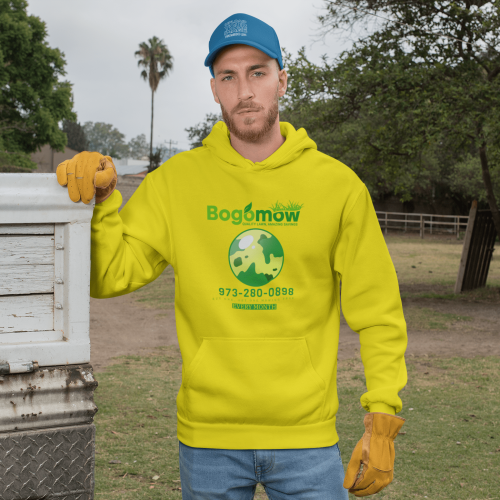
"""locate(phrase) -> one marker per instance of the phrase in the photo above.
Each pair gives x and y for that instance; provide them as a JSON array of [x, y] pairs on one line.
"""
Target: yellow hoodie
[[259, 251]]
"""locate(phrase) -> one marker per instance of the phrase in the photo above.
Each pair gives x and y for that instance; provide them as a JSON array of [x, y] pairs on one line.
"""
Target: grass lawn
[[450, 449], [433, 261], [136, 426], [425, 318], [450, 446]]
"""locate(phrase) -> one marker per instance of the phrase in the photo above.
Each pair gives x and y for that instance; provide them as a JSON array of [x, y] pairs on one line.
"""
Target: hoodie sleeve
[[131, 248], [371, 304]]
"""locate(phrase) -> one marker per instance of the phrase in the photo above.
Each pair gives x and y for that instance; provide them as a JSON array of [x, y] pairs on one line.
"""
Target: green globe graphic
[[256, 257]]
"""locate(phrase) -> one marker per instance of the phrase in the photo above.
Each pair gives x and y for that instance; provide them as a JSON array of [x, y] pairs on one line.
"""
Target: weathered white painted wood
[[60, 281], [47, 353], [38, 198], [26, 228], [30, 337], [28, 202], [465, 249], [23, 280], [77, 274], [25, 313], [19, 250]]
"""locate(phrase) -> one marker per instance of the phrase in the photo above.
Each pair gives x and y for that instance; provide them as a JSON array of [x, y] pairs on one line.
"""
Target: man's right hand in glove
[[88, 175]]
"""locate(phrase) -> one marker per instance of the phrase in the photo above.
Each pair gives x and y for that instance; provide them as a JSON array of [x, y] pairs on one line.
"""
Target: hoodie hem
[[258, 437]]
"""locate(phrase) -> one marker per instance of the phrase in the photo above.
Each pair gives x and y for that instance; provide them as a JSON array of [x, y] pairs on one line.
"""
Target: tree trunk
[[151, 142], [489, 187]]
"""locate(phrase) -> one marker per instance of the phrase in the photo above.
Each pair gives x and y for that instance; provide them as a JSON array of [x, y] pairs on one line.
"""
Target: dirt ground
[[121, 326]]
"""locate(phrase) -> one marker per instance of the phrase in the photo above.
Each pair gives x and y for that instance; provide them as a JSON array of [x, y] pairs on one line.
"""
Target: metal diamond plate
[[55, 463]]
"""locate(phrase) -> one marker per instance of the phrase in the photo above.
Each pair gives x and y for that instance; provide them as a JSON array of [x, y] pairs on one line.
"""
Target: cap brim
[[211, 57]]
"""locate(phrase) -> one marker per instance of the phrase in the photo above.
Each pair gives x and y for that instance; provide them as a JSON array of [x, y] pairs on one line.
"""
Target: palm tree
[[157, 62]]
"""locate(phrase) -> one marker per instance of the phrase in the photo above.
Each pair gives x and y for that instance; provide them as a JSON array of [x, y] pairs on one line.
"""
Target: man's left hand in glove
[[371, 467]]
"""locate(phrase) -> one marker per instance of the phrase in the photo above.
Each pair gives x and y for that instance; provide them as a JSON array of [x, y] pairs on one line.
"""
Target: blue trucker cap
[[247, 30]]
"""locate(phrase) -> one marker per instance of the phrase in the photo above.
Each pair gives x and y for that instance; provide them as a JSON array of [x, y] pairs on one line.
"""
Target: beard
[[248, 135]]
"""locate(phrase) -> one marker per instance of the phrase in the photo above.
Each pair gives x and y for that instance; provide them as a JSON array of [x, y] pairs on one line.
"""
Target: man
[[260, 229]]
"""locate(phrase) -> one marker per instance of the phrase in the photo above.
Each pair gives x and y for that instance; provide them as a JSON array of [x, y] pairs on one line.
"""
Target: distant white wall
[[130, 166]]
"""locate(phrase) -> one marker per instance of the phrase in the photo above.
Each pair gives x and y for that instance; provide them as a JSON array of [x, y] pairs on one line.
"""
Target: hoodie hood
[[296, 141]]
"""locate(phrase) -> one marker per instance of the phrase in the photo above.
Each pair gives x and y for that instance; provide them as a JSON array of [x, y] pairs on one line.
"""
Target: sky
[[99, 39]]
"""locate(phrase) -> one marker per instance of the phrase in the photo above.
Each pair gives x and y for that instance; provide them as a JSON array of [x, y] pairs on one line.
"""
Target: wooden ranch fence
[[420, 222]]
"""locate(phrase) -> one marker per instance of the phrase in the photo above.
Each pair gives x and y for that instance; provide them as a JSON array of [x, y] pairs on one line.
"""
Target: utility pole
[[170, 147]]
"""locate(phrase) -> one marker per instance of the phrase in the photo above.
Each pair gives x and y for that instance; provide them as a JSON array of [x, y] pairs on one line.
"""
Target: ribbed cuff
[[383, 408], [110, 199]]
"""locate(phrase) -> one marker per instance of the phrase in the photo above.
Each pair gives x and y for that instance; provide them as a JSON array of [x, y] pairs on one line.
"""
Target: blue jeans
[[301, 474]]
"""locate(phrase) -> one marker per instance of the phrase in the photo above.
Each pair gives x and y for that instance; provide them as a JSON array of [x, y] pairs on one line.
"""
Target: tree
[[416, 96], [138, 147], [466, 180], [200, 131], [156, 159], [32, 98], [106, 139], [76, 135], [315, 101], [157, 62], [15, 161]]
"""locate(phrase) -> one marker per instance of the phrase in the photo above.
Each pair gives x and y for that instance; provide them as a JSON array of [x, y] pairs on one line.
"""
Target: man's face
[[247, 85]]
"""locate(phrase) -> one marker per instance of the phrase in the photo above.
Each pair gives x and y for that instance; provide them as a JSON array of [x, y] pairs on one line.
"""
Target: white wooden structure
[[44, 273]]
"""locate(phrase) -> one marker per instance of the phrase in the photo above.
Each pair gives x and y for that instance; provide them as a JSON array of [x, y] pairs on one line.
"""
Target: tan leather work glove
[[375, 452], [88, 175]]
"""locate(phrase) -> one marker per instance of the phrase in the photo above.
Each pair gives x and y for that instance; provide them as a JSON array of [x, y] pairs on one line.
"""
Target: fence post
[[406, 220], [431, 224], [386, 223], [421, 226], [465, 248]]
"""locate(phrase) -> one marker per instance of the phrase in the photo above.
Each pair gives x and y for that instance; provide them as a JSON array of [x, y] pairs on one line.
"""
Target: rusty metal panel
[[50, 464], [47, 397]]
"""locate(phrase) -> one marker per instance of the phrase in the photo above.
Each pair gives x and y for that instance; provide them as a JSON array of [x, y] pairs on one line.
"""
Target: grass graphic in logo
[[256, 257], [291, 207]]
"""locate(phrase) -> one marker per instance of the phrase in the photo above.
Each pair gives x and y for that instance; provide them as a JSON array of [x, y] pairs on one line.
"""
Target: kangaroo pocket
[[253, 381]]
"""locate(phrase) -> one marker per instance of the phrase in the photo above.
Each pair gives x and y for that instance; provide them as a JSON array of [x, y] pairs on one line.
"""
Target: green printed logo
[[277, 213], [256, 257], [256, 307]]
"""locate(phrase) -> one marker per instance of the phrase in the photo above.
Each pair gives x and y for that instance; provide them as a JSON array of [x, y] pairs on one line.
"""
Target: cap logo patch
[[235, 27]]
